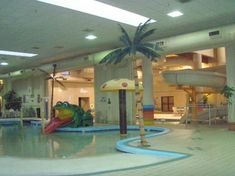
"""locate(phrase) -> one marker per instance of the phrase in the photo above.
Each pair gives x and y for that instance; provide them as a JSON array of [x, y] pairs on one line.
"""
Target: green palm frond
[[157, 47], [150, 53], [110, 56], [138, 33], [121, 56], [117, 54], [125, 37], [150, 50], [154, 46], [140, 30], [145, 35], [148, 45]]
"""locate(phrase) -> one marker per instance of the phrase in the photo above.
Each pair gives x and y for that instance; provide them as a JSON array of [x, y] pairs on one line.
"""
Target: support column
[[148, 103], [194, 106], [230, 65], [197, 64], [219, 54], [197, 61], [122, 112]]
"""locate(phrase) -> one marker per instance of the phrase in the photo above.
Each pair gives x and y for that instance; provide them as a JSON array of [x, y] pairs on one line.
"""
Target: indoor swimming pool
[[29, 142]]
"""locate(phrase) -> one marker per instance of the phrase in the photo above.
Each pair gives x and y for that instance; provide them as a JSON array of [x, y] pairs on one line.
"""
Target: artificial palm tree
[[54, 79], [131, 48]]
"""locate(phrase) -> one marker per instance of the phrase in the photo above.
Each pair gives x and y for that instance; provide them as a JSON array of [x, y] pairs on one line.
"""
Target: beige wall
[[73, 91], [106, 112], [161, 88], [216, 99], [32, 90]]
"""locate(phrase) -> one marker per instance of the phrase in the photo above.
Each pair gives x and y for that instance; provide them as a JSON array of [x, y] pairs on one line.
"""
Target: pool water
[[29, 142]]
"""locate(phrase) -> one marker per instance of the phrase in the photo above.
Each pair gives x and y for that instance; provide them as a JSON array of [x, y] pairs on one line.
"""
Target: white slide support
[[198, 78]]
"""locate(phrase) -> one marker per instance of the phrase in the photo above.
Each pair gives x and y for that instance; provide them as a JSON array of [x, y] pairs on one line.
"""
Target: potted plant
[[228, 92], [12, 101]]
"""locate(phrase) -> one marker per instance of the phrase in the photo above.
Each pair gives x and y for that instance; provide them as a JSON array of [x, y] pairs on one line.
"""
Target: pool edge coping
[[124, 146]]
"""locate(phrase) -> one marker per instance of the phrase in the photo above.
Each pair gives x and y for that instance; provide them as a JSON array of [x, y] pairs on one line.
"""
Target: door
[[167, 103], [84, 102]]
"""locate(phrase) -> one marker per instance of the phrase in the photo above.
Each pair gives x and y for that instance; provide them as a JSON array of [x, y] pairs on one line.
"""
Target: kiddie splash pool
[[21, 147], [29, 142]]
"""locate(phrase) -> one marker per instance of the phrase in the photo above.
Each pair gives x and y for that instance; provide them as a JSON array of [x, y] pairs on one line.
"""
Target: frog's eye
[[59, 103], [66, 103]]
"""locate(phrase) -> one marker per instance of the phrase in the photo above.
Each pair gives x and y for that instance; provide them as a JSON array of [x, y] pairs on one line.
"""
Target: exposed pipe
[[198, 40], [211, 38]]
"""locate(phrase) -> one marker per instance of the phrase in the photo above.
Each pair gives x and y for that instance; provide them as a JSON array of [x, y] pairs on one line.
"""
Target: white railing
[[205, 113]]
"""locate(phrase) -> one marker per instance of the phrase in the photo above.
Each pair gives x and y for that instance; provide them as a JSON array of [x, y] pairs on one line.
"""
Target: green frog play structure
[[69, 115]]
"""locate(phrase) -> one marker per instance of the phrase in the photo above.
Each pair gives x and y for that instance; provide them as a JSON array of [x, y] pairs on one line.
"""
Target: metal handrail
[[210, 109]]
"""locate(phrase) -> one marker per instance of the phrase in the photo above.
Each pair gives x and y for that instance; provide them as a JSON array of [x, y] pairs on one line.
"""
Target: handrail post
[[187, 114], [43, 123], [209, 109], [21, 117]]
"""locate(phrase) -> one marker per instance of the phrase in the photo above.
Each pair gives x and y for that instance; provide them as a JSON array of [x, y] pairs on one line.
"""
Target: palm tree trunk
[[52, 97], [139, 106], [52, 89], [194, 106]]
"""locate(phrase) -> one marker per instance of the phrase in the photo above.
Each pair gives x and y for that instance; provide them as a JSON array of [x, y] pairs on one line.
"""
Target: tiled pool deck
[[210, 149]]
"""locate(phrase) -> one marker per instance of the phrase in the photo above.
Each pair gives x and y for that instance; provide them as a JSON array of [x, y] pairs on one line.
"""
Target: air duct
[[211, 38], [206, 39]]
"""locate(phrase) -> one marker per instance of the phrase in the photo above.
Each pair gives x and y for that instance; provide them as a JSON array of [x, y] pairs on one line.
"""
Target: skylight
[[13, 53], [175, 14], [4, 63], [90, 37], [102, 10]]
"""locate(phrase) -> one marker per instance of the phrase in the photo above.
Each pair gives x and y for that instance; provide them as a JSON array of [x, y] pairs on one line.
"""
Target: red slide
[[55, 123]]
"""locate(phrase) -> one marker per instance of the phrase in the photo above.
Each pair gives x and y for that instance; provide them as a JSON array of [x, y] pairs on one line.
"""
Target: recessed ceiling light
[[102, 10], [13, 53], [4, 63], [90, 37], [175, 14]]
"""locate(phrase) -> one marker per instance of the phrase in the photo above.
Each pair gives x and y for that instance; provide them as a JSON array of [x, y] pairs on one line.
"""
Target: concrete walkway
[[210, 149]]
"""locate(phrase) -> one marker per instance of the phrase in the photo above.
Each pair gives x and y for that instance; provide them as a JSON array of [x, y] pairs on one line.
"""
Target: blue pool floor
[[210, 150]]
